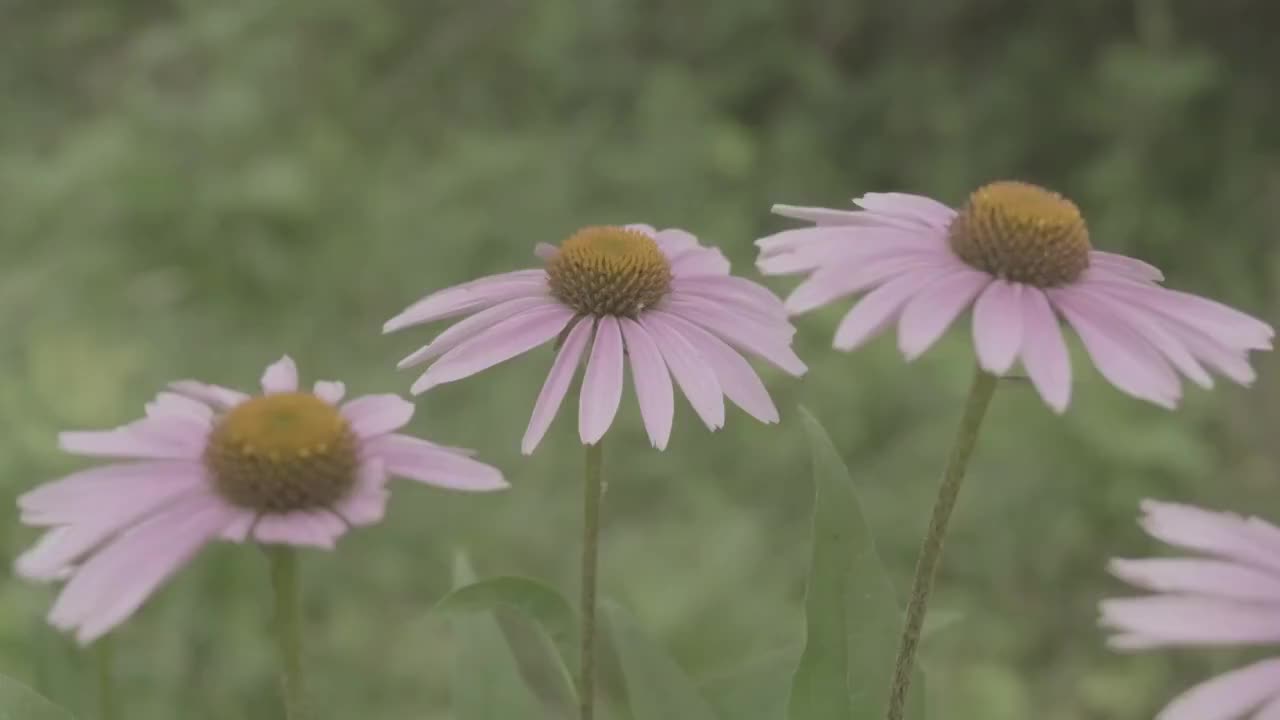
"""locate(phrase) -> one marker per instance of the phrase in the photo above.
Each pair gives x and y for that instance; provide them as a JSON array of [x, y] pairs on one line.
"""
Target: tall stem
[[984, 385], [592, 492], [284, 581], [104, 654]]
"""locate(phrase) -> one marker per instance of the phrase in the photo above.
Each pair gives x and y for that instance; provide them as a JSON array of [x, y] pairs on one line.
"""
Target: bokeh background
[[190, 189]]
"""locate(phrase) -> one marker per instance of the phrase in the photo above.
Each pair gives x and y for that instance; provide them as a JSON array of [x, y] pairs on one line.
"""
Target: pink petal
[[215, 395], [738, 381], [672, 241], [114, 583], [416, 459], [180, 408], [329, 391], [770, 341], [366, 504], [149, 439], [1214, 578], [602, 383], [652, 380], [997, 326], [1126, 266], [828, 285], [557, 384], [1126, 361], [1248, 540], [1231, 363], [472, 326], [733, 290], [301, 528], [545, 251], [817, 215], [97, 492], [1154, 330], [928, 315], [373, 415], [1193, 620], [96, 516], [917, 208], [880, 307], [513, 336], [696, 380], [649, 230], [1228, 696], [830, 249], [698, 262], [1270, 711], [1225, 324], [280, 377], [1044, 352], [470, 297], [237, 531]]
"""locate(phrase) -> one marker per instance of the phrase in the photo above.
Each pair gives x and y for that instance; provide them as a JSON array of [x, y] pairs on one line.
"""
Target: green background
[[190, 189]]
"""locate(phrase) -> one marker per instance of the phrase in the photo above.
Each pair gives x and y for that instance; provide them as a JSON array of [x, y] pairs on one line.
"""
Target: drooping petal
[[928, 315], [1214, 578], [735, 291], [114, 583], [470, 297], [472, 326], [672, 241], [880, 307], [1225, 324], [997, 326], [1154, 330], [1194, 620], [736, 377], [652, 381], [373, 415], [513, 336], [409, 457], [771, 342], [557, 384], [90, 519], [602, 383], [1044, 352], [691, 373], [330, 391], [1247, 540], [545, 251], [1125, 360], [1229, 696]]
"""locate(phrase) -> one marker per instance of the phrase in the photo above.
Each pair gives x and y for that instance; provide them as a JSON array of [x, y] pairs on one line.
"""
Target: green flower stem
[[592, 492], [984, 386], [104, 655], [288, 620]]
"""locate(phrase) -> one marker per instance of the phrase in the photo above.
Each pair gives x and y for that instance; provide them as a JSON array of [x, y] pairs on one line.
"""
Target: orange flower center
[[284, 452], [1022, 233], [609, 270]]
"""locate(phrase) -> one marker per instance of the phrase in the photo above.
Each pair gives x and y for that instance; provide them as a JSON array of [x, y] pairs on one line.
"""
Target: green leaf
[[852, 617], [535, 599], [19, 702], [487, 683], [657, 688]]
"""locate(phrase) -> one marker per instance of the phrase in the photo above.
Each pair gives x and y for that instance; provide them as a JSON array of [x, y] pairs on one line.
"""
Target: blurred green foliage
[[190, 189]]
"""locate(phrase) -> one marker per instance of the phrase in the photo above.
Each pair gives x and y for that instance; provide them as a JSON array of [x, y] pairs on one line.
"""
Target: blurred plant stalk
[[980, 392], [592, 492]]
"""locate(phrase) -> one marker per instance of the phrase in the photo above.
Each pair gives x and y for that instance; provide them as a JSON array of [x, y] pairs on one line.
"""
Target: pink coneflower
[[657, 299], [1021, 256], [1229, 595], [287, 467]]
